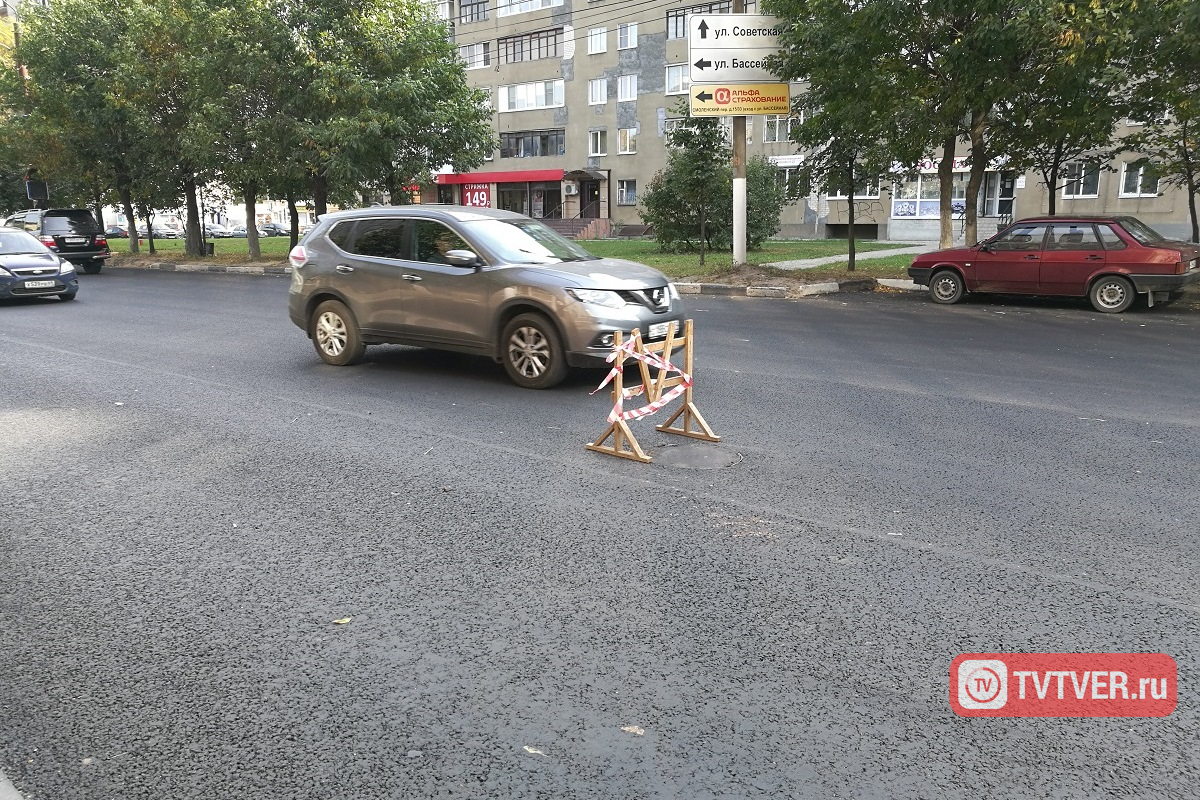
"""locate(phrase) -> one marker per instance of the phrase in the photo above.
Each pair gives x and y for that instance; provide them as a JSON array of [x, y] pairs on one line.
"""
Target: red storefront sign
[[478, 195]]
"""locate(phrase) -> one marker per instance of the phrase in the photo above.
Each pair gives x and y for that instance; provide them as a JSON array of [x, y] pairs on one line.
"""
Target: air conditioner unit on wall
[[571, 189]]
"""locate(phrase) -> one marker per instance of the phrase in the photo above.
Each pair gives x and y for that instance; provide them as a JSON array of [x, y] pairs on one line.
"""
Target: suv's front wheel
[[532, 352], [335, 334]]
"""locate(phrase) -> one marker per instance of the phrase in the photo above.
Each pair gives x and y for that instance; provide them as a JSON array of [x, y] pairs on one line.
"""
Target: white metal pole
[[739, 175]]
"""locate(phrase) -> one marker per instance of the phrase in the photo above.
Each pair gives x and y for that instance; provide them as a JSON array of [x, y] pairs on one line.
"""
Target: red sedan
[[1108, 259]]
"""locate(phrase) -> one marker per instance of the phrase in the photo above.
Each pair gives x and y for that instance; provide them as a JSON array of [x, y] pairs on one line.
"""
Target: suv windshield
[[19, 242], [1141, 231], [525, 241], [69, 222]]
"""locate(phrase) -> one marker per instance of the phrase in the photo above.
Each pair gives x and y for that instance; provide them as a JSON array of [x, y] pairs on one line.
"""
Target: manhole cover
[[694, 455]]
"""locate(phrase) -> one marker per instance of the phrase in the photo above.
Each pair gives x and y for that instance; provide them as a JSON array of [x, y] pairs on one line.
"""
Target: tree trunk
[[249, 197], [294, 233], [702, 232], [389, 186], [193, 241], [945, 189], [1189, 172], [1052, 178], [850, 213], [979, 159], [98, 204], [130, 219], [320, 193], [150, 232]]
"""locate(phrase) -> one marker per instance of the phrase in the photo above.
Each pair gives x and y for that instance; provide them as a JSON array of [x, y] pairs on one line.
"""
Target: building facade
[[585, 92]]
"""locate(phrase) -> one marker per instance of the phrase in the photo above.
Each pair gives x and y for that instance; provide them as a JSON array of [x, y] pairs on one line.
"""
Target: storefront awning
[[585, 175], [514, 176]]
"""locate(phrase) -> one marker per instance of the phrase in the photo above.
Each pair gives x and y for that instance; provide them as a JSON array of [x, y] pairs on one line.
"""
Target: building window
[[444, 8], [505, 8], [476, 56], [597, 143], [530, 46], [920, 196], [791, 181], [1139, 179], [597, 41], [777, 128], [472, 10], [626, 35], [670, 126], [677, 19], [679, 78], [529, 144], [597, 91], [1082, 179], [524, 96], [868, 190], [627, 88], [627, 140], [626, 193]]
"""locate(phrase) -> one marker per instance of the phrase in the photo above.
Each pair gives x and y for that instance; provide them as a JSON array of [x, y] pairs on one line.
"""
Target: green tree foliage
[[1067, 108], [379, 96], [937, 69], [689, 203], [1166, 98], [155, 99]]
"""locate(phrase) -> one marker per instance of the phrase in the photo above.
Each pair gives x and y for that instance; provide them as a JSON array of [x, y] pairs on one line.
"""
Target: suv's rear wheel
[[1112, 294], [92, 267], [532, 352], [335, 334]]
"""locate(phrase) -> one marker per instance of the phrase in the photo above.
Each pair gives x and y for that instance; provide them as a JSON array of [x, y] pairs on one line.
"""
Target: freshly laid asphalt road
[[191, 499]]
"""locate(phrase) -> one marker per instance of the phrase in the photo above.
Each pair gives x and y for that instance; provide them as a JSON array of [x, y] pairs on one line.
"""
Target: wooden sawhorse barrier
[[660, 389]]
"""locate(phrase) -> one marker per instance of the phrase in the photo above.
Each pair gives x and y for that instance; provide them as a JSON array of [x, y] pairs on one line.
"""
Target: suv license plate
[[658, 330], [39, 284], [74, 239]]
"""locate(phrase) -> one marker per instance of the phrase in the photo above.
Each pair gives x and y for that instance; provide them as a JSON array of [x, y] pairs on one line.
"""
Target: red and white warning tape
[[628, 349]]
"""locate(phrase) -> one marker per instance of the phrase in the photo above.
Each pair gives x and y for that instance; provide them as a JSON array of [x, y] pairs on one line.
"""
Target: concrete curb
[[237, 269], [810, 290]]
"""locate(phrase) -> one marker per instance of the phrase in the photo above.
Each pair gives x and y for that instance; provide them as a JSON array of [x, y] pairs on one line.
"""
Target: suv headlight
[[599, 297]]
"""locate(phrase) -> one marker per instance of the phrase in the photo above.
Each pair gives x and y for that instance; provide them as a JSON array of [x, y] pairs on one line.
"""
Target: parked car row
[[71, 233], [212, 230]]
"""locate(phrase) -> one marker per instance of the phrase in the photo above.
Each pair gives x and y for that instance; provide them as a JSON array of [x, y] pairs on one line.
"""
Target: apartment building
[[585, 92]]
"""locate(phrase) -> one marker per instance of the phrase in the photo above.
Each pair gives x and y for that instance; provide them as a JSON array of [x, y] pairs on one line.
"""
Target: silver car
[[473, 280]]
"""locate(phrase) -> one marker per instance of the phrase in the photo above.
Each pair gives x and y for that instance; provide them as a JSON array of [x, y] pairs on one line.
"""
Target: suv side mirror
[[462, 258]]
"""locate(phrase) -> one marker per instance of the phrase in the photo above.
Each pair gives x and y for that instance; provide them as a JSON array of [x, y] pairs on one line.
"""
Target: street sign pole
[[739, 175]]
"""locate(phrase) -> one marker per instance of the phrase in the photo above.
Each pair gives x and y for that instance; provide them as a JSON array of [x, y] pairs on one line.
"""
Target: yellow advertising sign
[[739, 99]]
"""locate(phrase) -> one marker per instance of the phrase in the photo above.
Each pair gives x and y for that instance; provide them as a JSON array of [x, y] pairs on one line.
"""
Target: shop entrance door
[[589, 199]]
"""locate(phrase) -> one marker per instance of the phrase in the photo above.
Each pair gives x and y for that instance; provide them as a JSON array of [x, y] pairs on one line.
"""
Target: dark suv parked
[[70, 232]]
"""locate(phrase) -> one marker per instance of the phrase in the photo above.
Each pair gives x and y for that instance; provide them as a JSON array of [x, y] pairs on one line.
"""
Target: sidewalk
[[901, 250]]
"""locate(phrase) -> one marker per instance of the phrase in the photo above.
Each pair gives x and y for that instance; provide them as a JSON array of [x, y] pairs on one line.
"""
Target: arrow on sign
[[703, 63], [703, 29], [704, 97]]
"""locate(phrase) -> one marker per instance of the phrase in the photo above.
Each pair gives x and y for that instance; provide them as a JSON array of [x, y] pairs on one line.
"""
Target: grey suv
[[472, 280]]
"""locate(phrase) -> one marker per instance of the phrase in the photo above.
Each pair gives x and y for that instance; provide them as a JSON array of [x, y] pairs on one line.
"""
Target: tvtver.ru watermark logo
[[1063, 685]]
